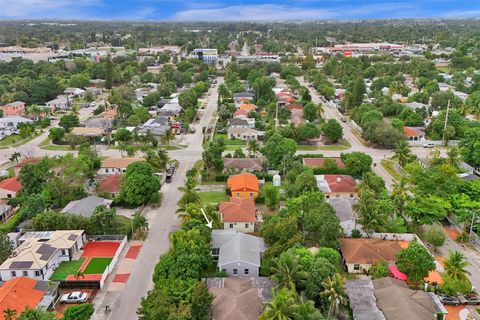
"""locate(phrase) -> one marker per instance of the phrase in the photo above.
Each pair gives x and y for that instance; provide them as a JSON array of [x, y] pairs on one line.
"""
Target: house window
[[246, 271], [251, 194], [14, 274], [215, 251], [63, 252], [231, 225], [25, 273], [247, 225], [224, 270], [351, 195], [338, 195], [356, 267], [37, 273], [238, 194], [106, 170], [9, 195], [235, 271]]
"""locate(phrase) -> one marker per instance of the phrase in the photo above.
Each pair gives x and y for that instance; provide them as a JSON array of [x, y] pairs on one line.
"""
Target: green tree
[[415, 261], [368, 216], [69, 121], [253, 147], [304, 182], [201, 302], [272, 196], [109, 73], [403, 153], [455, 266], [105, 220], [288, 272], [138, 184], [9, 314], [279, 151], [159, 160], [435, 236], [470, 146], [33, 176], [356, 97], [168, 136], [36, 314], [379, 270], [123, 135], [453, 287], [5, 247], [56, 134], [320, 271], [357, 163], [427, 209], [305, 310], [330, 254], [15, 157], [311, 112], [280, 307], [334, 294], [322, 226], [190, 192], [332, 130], [80, 312]]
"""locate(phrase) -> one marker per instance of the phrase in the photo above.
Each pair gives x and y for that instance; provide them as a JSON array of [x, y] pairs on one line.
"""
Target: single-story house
[[243, 164], [462, 95], [157, 127], [16, 108], [346, 216], [244, 185], [241, 114], [74, 92], [337, 185], [59, 103], [86, 206], [242, 123], [116, 165], [416, 105], [9, 187], [320, 162], [21, 293], [245, 134], [414, 134], [6, 211], [392, 299], [238, 214], [237, 254], [88, 132], [12, 122], [238, 298], [360, 254], [110, 184]]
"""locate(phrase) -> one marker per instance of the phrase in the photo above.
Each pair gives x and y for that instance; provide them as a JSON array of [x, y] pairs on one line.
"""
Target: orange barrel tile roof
[[243, 182]]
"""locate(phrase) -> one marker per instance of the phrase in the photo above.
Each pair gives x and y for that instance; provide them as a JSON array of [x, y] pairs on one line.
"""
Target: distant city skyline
[[256, 10]]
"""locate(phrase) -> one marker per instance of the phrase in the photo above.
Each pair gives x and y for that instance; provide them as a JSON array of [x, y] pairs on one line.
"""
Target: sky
[[220, 10]]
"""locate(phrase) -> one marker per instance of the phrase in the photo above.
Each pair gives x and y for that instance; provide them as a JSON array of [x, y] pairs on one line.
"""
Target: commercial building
[[206, 55]]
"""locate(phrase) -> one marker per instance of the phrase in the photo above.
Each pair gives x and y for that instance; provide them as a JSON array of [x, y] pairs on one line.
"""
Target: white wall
[[253, 271], [240, 226]]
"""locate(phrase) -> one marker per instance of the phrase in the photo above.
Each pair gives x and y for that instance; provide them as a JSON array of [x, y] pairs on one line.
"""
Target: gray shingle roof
[[237, 247], [85, 206]]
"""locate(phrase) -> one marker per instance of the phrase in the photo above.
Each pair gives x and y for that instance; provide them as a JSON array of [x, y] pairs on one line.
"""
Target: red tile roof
[[11, 184], [243, 182], [247, 106], [110, 184], [238, 210], [18, 293], [412, 132], [341, 183], [369, 251], [320, 162], [240, 112]]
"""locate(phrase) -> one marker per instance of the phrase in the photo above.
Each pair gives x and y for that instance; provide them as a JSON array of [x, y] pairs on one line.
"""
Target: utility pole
[[276, 117], [444, 141]]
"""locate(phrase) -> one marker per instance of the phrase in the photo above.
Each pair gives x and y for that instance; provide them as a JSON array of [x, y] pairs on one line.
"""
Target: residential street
[[124, 305]]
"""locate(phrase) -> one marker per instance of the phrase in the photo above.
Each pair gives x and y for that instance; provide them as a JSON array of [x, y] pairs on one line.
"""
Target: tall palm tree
[[334, 294], [403, 153], [368, 215], [305, 310], [75, 110], [35, 111], [454, 157], [288, 272], [400, 194], [168, 136], [455, 266], [9, 314], [139, 222], [368, 182], [280, 307], [158, 160], [15, 157], [253, 147], [190, 192], [188, 211]]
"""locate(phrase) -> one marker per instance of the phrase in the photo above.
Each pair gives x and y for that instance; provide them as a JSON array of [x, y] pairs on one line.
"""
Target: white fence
[[110, 267]]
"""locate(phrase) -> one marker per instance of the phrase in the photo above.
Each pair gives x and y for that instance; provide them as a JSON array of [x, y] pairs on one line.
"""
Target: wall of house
[[363, 268], [245, 227], [9, 110], [48, 270], [244, 194], [107, 171], [240, 266], [7, 193], [341, 194]]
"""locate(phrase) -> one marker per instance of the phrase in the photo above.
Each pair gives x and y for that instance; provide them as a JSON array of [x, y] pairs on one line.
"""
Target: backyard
[[67, 268], [208, 197]]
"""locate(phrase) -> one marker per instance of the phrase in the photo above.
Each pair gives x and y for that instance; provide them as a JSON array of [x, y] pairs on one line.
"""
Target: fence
[[356, 126], [106, 237], [110, 267]]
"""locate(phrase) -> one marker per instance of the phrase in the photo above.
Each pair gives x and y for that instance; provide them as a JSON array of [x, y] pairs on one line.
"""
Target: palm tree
[[288, 272], [190, 194], [400, 194], [9, 314], [280, 307], [74, 110], [139, 222], [158, 160], [34, 110], [455, 266], [305, 310], [368, 215], [454, 157], [188, 212], [223, 92], [15, 157], [403, 153], [79, 275], [368, 182], [253, 147], [334, 294], [168, 136]]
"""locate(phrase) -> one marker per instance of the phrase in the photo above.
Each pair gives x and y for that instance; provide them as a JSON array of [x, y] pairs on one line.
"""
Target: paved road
[[124, 305]]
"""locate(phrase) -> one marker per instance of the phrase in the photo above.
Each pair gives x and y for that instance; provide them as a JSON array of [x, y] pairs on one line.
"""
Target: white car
[[429, 145], [74, 297]]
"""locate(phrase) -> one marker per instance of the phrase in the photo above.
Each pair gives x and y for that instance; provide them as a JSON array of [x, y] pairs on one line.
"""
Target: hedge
[[12, 223]]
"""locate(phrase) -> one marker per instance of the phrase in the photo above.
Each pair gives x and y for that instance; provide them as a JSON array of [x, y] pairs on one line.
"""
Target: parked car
[[93, 104], [429, 145], [192, 130], [74, 297], [344, 119], [448, 300], [472, 299]]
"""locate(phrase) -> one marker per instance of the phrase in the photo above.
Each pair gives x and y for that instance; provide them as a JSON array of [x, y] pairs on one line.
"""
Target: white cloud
[[283, 12]]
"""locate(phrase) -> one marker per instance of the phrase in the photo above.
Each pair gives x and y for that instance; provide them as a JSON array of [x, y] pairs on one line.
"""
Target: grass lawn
[[97, 265], [44, 143], [342, 145], [444, 69], [126, 224], [212, 197], [15, 140], [66, 268], [232, 147], [58, 148], [233, 142], [389, 166]]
